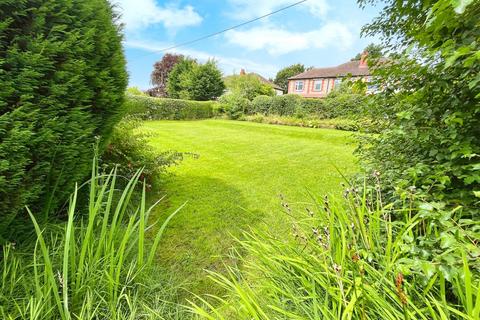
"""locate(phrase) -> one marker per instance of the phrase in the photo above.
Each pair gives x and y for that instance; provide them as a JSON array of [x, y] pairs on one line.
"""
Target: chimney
[[363, 60], [242, 72]]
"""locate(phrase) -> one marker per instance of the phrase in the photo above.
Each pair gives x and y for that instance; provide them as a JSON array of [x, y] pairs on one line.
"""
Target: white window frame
[[315, 85], [297, 85]]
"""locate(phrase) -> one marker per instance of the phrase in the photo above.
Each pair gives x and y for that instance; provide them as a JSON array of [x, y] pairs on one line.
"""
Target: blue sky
[[316, 33]]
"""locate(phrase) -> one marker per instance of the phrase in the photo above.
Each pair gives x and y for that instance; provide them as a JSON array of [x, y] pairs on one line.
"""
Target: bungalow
[[318, 82]]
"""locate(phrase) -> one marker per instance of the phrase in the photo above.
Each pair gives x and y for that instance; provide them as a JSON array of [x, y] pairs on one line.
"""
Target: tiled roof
[[351, 67], [264, 80]]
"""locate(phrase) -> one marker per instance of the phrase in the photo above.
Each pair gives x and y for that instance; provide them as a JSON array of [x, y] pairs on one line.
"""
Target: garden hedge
[[150, 108], [335, 105], [62, 80]]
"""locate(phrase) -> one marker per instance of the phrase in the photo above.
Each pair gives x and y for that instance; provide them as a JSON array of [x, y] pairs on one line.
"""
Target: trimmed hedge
[[62, 80], [150, 108], [336, 104]]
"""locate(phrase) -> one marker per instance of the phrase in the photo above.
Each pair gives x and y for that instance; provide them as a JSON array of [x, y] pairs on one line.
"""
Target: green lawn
[[236, 183]]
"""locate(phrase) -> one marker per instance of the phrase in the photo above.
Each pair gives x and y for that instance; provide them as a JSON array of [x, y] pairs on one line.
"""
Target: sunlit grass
[[97, 265], [236, 183], [346, 259]]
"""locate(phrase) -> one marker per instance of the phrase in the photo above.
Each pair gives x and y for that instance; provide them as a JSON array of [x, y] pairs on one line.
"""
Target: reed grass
[[346, 259], [97, 265]]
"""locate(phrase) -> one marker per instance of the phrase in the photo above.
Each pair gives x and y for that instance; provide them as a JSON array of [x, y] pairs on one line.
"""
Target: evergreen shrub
[[62, 80]]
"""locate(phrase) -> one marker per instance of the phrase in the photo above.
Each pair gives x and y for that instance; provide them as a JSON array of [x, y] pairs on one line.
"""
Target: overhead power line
[[228, 29]]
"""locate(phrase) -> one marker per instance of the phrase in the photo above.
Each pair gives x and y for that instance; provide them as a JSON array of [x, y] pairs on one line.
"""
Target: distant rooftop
[[354, 68]]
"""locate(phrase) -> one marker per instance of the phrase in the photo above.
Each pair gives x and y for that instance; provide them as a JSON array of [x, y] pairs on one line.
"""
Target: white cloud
[[138, 14], [277, 41], [246, 9], [227, 64]]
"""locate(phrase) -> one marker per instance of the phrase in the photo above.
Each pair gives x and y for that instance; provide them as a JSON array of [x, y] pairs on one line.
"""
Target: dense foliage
[[310, 122], [234, 105], [247, 86], [431, 95], [161, 70], [335, 105], [282, 76], [128, 151], [62, 80], [344, 260], [374, 51], [93, 267], [150, 108], [174, 85], [191, 80]]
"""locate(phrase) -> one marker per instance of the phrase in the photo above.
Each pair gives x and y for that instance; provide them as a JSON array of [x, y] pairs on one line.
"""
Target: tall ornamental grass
[[94, 266], [346, 260]]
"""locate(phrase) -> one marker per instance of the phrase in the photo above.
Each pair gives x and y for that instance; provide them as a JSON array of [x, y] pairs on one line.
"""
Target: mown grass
[[236, 182]]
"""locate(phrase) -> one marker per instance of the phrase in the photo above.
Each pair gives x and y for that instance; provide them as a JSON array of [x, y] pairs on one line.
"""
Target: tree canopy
[[373, 50], [62, 80], [282, 76], [248, 86], [194, 81], [161, 71], [431, 96]]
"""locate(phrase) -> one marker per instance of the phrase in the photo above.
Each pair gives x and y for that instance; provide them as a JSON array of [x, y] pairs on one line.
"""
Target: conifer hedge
[[62, 79]]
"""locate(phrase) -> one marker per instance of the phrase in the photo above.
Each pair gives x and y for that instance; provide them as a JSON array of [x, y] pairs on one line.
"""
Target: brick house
[[318, 82]]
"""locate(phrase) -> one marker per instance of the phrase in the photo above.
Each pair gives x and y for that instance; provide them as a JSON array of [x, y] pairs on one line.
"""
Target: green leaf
[[447, 240]]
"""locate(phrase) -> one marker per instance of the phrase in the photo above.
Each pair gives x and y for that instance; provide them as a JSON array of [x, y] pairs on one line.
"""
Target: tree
[[174, 86], [282, 76], [62, 80], [161, 70], [203, 82], [248, 86], [374, 51], [431, 96], [193, 81]]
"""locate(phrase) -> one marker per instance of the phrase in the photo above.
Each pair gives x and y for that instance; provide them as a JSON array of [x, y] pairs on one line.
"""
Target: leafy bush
[[129, 151], [431, 97], [62, 79], [348, 260], [262, 104], [344, 104], [149, 108], [235, 105], [338, 104], [93, 267], [337, 123], [285, 105], [248, 86], [193, 81], [135, 91]]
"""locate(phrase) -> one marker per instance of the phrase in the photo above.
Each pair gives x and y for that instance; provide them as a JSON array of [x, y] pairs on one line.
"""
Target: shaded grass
[[236, 182]]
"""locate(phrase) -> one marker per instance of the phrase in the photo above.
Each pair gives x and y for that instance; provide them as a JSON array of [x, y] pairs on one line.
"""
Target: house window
[[298, 85], [338, 81], [328, 86], [317, 85]]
